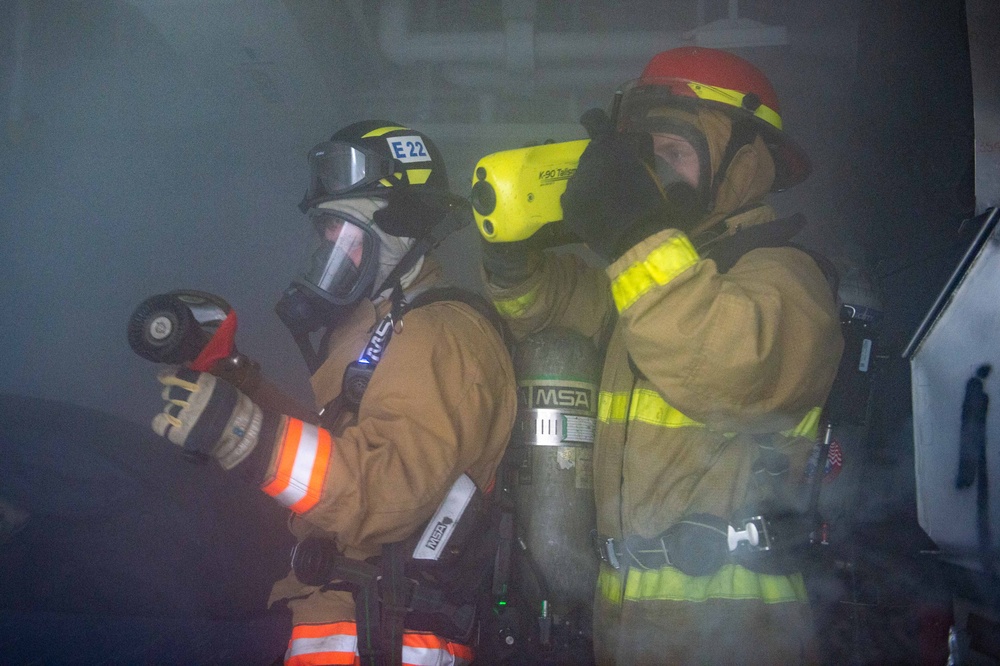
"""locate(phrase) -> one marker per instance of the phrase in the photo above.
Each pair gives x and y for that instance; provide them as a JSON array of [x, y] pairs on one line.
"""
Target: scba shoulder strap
[[727, 250], [470, 298], [449, 555], [359, 373]]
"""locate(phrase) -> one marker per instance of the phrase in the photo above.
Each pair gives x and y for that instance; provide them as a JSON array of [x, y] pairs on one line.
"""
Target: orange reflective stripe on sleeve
[[336, 644], [303, 459], [312, 644], [431, 650]]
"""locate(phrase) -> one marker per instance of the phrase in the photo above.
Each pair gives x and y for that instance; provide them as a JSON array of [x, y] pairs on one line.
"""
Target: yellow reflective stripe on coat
[[646, 406], [649, 406], [808, 426], [660, 266], [515, 308], [610, 584], [730, 582], [668, 584]]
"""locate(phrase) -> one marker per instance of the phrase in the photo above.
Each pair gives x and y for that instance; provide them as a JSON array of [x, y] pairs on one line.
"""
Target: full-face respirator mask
[[341, 270], [378, 198]]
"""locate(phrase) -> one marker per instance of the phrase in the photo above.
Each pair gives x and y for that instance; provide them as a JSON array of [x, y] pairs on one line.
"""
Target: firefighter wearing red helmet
[[721, 341]]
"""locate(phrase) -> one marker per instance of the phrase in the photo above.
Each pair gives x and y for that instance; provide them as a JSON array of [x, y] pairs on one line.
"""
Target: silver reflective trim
[[417, 656], [334, 643], [345, 643], [305, 459]]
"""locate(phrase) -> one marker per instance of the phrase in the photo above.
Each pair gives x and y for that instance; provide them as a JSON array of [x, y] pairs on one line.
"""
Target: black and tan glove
[[208, 417], [613, 199]]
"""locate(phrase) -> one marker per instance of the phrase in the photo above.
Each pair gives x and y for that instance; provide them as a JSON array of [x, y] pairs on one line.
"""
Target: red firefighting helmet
[[694, 75]]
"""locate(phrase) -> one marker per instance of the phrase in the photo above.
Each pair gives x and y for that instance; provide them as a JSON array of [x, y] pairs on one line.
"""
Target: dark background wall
[[154, 146]]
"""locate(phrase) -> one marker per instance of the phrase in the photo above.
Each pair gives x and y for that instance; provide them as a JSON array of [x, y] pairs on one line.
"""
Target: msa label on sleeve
[[408, 149]]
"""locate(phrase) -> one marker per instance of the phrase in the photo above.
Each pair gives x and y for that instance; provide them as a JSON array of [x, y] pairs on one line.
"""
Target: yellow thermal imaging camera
[[516, 192]]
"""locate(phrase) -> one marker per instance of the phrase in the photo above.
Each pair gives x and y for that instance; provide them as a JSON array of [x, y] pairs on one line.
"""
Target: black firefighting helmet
[[373, 158], [372, 179]]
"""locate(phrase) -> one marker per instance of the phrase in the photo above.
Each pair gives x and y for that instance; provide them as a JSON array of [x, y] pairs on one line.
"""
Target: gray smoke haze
[[156, 145], [153, 146]]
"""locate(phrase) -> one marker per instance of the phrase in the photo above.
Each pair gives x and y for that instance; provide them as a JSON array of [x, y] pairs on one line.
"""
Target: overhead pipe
[[565, 77], [519, 61], [16, 121], [519, 48]]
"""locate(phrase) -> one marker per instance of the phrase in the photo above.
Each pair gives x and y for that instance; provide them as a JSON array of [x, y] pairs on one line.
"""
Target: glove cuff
[[509, 264], [652, 222], [241, 433]]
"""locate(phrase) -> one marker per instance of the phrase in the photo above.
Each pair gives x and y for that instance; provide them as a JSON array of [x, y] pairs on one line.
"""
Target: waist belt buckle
[[605, 549], [756, 533]]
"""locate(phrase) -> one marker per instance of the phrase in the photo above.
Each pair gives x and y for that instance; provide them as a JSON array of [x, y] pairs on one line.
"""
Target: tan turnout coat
[[440, 403], [721, 358]]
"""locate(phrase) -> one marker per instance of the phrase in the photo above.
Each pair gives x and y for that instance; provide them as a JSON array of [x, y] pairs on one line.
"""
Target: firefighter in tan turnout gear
[[390, 492], [722, 341]]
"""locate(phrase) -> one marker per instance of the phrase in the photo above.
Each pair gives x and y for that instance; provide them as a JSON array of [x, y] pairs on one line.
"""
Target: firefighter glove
[[614, 199], [207, 417], [509, 264]]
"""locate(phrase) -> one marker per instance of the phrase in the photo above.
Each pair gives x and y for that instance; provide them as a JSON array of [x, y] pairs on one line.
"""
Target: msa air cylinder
[[557, 375]]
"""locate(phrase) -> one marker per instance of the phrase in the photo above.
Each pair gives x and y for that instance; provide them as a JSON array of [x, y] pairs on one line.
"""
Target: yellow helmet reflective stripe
[[383, 130], [735, 98]]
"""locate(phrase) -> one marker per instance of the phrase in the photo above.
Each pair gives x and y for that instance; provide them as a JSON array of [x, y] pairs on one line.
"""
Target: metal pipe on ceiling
[[519, 48]]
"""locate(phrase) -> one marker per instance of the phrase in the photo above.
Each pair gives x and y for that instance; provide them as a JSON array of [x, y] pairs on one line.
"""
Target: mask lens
[[332, 270], [339, 265], [676, 160], [347, 237]]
